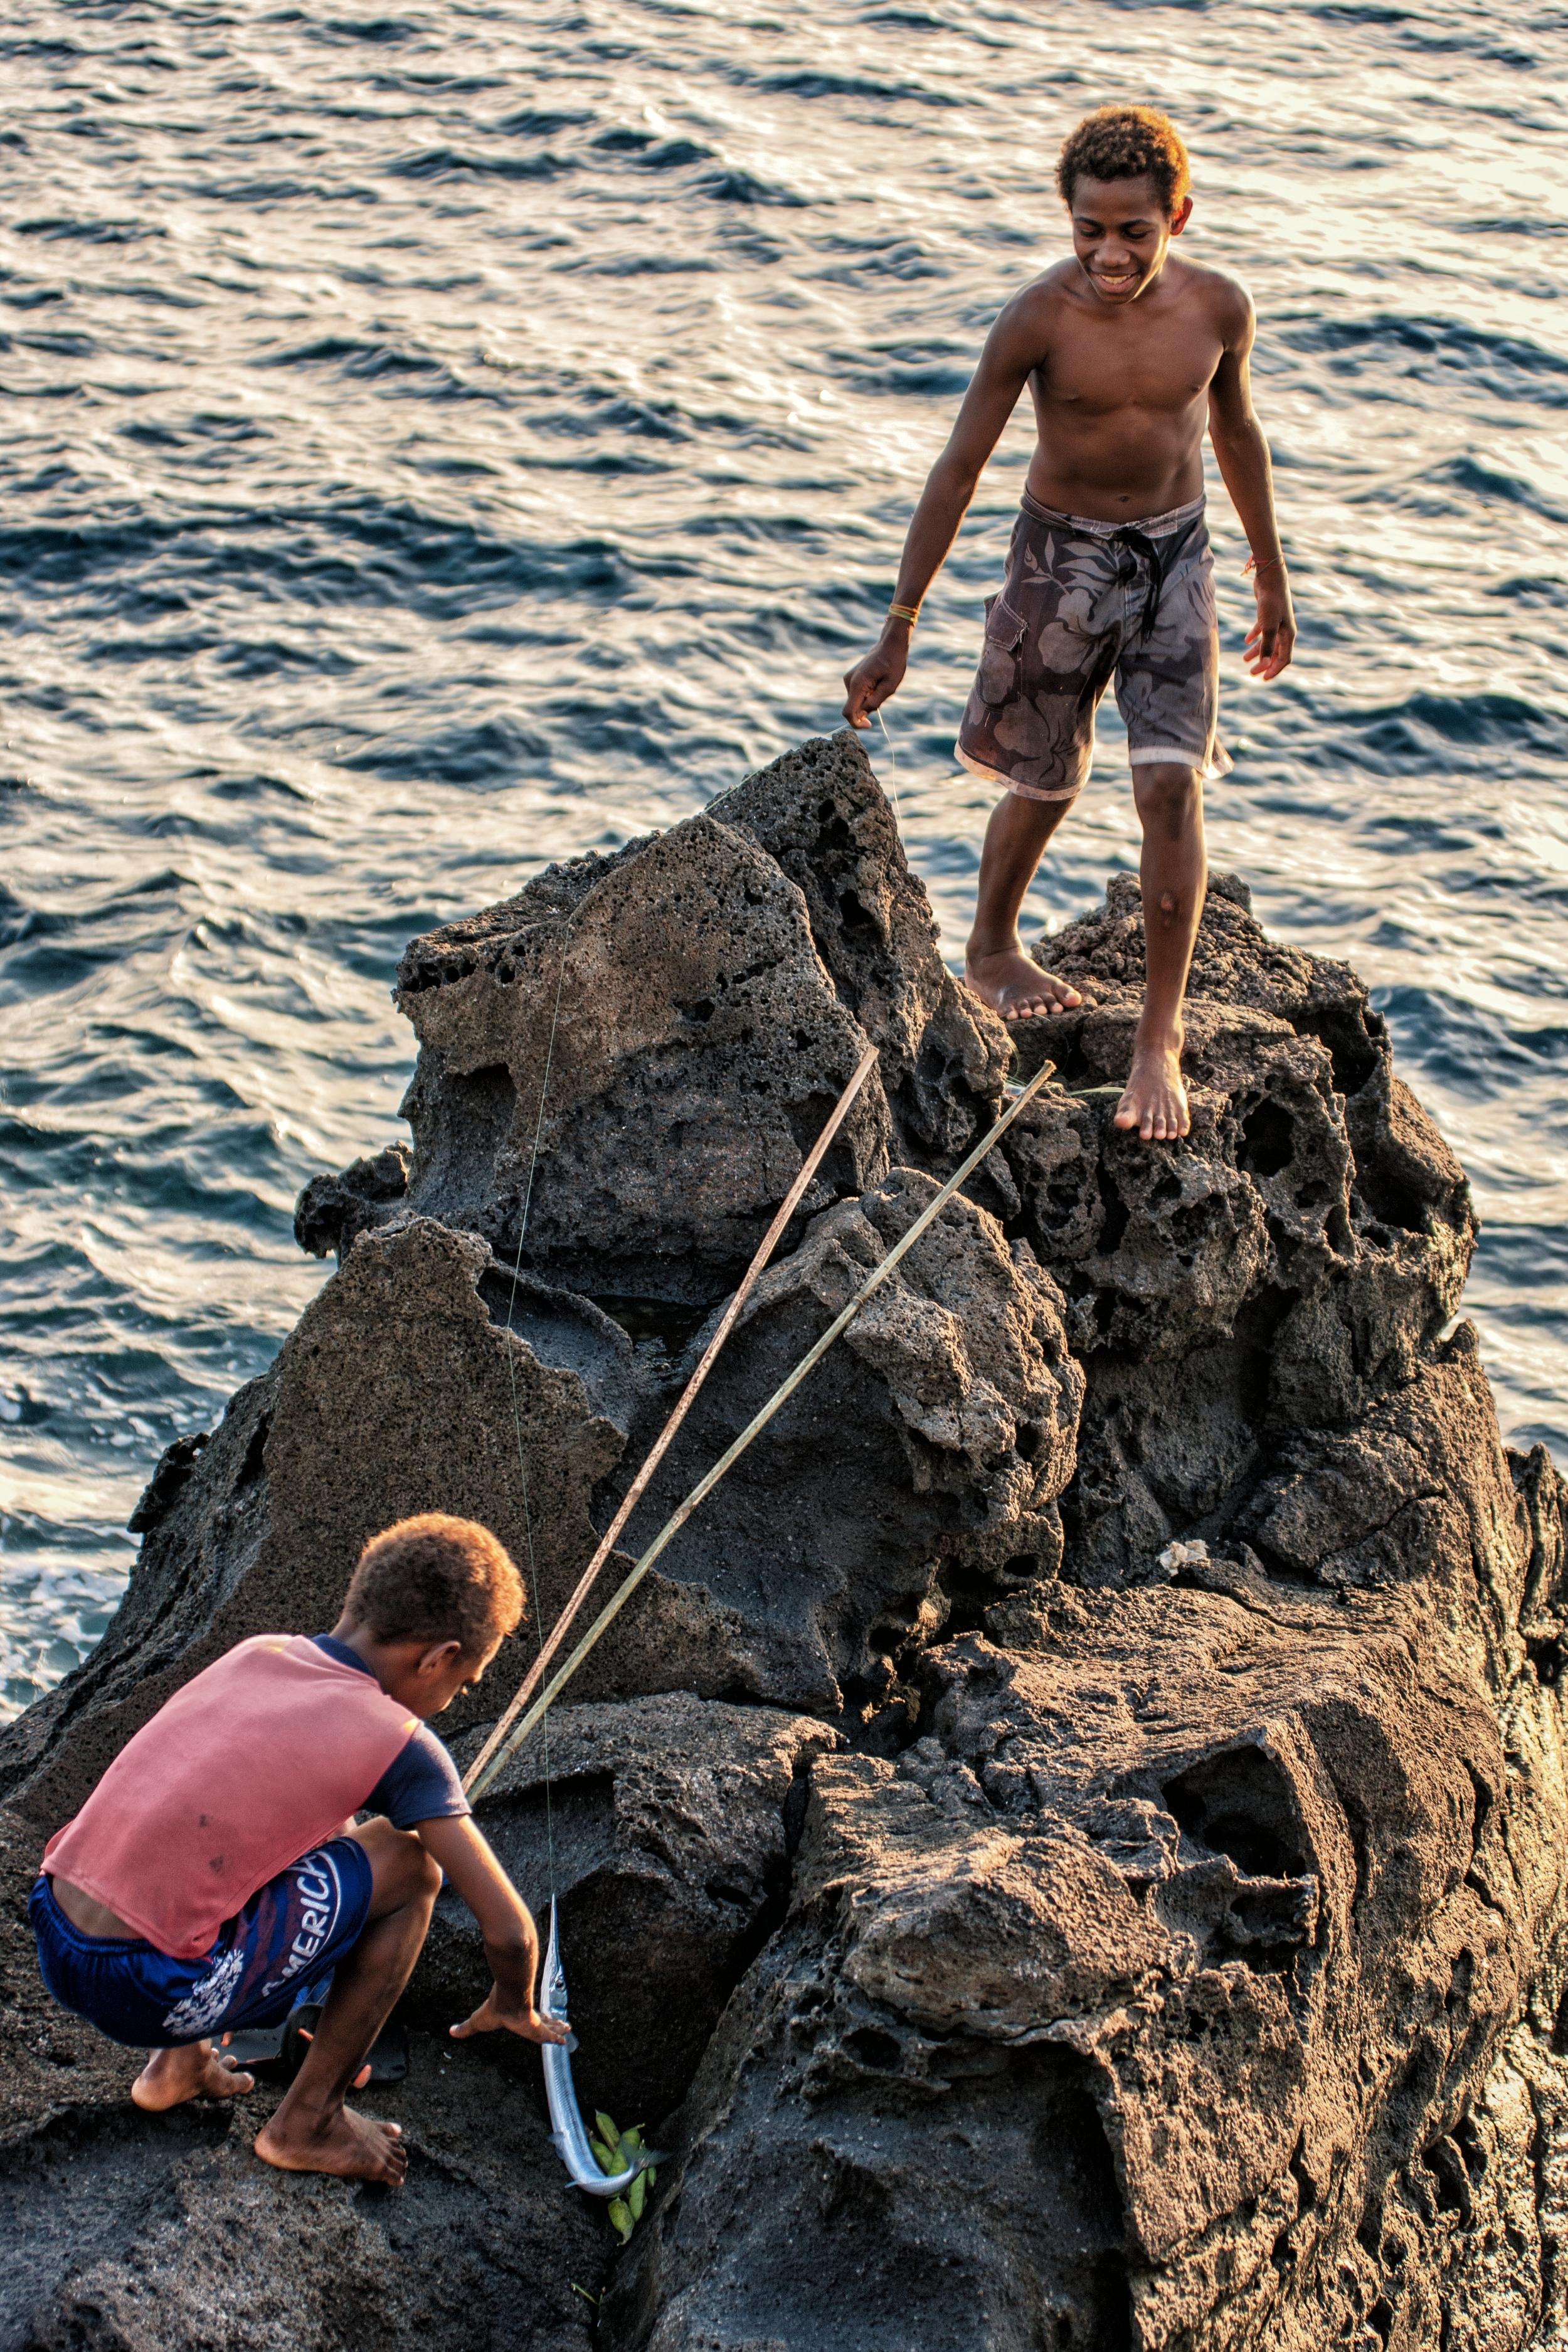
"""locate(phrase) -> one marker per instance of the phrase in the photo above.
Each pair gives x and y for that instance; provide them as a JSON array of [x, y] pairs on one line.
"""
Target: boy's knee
[[406, 1871], [417, 1878], [1166, 794]]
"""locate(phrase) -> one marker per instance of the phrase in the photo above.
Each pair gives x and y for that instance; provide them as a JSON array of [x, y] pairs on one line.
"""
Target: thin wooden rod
[[634, 1492], [477, 1781]]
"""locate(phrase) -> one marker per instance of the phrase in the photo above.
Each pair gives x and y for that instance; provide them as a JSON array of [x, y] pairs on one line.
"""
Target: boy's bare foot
[[1013, 984], [349, 2147], [1155, 1099], [192, 2071]]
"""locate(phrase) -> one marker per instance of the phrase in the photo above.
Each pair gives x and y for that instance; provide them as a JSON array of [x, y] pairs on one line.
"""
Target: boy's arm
[[1012, 350], [511, 1945], [1243, 456]]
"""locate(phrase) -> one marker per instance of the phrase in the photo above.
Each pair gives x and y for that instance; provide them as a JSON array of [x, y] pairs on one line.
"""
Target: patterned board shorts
[[1083, 602], [290, 1933]]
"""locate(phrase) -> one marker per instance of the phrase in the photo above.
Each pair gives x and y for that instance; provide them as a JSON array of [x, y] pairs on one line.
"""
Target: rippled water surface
[[443, 440]]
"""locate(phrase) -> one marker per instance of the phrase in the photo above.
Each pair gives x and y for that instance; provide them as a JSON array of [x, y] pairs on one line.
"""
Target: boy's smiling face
[[1120, 233]]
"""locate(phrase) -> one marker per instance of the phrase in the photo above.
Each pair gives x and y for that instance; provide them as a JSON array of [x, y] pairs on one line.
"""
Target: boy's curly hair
[[436, 1578], [1126, 143]]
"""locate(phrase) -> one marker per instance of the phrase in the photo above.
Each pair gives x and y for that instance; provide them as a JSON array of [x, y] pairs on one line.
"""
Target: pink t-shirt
[[260, 1757]]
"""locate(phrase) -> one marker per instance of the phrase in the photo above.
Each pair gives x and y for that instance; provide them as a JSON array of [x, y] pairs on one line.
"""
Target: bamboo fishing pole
[[498, 1749], [563, 1625]]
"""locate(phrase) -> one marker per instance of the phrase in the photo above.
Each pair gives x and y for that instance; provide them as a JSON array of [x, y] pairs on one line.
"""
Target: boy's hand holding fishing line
[[1128, 351]]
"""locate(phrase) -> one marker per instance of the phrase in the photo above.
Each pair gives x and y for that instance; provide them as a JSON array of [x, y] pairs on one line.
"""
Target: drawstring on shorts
[[1139, 544]]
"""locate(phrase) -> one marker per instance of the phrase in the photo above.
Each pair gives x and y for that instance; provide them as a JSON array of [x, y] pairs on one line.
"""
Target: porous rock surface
[[1067, 1849]]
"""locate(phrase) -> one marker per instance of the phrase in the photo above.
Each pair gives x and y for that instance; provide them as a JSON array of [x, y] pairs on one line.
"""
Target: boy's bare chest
[[1098, 369]]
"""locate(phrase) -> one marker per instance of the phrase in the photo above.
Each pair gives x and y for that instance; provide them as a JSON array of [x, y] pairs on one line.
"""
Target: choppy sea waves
[[446, 440]]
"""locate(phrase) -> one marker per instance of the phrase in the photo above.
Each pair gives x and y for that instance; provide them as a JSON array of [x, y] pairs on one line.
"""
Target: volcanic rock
[[663, 1829], [1141, 1998], [1067, 1847], [700, 1000]]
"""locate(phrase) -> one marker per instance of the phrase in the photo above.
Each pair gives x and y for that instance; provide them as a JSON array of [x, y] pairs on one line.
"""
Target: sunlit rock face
[[700, 1000], [1147, 1997], [1285, 1268], [1066, 1848]]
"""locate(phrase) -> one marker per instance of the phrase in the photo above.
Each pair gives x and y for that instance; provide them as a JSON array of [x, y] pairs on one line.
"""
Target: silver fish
[[570, 2134]]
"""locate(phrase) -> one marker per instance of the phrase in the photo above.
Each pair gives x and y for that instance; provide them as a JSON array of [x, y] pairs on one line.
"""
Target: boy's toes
[[1155, 1101], [1014, 985], [349, 2146], [190, 2071], [223, 2078]]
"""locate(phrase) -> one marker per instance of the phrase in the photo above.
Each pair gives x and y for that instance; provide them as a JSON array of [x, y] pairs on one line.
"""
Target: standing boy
[[215, 1869], [1128, 351]]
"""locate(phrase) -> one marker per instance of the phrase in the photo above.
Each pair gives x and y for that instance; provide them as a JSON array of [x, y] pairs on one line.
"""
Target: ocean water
[[445, 439]]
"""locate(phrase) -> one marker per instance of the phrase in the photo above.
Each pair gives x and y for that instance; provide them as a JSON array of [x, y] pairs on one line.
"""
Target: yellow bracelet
[[910, 613]]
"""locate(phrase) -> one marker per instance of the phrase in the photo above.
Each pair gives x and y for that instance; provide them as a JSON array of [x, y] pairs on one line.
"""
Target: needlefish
[[569, 2133]]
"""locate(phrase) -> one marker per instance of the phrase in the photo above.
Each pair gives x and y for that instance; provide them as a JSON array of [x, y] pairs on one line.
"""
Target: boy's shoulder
[[1063, 280], [1225, 298], [1030, 320]]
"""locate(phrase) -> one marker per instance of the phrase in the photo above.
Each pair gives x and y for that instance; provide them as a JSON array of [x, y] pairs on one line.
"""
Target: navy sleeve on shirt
[[421, 1783]]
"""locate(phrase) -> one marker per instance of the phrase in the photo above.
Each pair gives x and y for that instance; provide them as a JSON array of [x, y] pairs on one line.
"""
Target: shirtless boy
[[215, 1869], [1128, 351]]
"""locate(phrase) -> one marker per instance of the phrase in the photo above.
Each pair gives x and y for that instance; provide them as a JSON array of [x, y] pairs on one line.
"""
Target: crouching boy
[[215, 1869]]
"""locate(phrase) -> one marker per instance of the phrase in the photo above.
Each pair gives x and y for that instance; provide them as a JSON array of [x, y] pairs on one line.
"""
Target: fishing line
[[893, 771], [765, 1251], [1016, 1098], [569, 2134], [512, 1369]]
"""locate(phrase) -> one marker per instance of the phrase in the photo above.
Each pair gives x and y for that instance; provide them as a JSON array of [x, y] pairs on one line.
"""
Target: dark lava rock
[[333, 1210], [1292, 1262], [1156, 1996], [1066, 1848], [700, 999], [663, 1829], [161, 1491]]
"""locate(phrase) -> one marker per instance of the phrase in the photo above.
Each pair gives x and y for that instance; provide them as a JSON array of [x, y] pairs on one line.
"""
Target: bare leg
[[997, 970], [191, 2071], [312, 2130], [1174, 873]]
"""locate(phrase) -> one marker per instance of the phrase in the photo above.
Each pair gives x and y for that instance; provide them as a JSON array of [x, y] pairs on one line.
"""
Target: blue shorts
[[292, 1931]]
